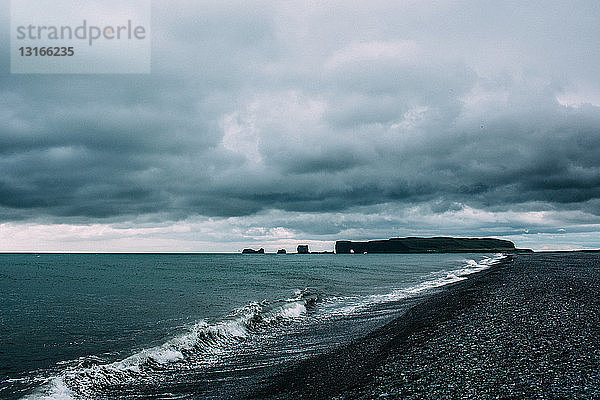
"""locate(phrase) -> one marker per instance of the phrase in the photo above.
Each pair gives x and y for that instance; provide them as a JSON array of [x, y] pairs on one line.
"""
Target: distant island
[[427, 245]]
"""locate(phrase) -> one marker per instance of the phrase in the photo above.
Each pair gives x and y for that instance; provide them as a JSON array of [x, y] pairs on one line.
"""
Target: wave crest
[[201, 344]]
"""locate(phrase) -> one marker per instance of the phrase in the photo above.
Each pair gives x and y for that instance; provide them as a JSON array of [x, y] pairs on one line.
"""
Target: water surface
[[188, 325]]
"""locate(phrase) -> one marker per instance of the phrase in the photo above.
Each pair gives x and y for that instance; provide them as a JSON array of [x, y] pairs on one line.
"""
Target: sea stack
[[252, 251], [302, 249]]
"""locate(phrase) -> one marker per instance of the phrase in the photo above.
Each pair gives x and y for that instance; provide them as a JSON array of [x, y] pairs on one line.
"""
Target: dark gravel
[[526, 328]]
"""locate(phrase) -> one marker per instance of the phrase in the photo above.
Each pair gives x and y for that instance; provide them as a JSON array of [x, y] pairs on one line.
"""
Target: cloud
[[320, 109]]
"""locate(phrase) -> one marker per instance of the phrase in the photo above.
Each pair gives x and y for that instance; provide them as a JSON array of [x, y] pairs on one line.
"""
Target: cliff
[[427, 245]]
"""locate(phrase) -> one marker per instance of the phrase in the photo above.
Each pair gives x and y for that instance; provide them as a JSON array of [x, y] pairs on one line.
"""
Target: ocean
[[198, 326]]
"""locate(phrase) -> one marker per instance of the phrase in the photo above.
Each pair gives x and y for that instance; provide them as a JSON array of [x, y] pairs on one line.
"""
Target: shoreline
[[492, 335], [349, 366]]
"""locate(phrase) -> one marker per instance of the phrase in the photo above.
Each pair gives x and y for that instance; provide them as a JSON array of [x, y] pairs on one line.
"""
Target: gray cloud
[[258, 106]]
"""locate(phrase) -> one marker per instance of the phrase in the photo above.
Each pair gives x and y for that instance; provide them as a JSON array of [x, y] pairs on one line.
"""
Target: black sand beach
[[526, 328]]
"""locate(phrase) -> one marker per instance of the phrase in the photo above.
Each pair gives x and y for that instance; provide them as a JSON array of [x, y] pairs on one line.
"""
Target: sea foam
[[201, 344], [352, 304]]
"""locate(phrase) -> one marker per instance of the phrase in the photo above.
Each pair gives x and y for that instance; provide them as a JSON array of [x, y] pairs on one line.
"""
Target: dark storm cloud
[[254, 107]]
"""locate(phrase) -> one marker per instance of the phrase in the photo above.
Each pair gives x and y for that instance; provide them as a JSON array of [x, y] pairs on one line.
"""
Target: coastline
[[524, 327]]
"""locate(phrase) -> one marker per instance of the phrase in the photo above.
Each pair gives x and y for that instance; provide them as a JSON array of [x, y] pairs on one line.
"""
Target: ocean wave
[[201, 344], [354, 304]]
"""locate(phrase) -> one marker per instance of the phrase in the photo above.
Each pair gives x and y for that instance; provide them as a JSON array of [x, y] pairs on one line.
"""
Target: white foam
[[205, 342], [56, 389], [293, 311], [353, 304]]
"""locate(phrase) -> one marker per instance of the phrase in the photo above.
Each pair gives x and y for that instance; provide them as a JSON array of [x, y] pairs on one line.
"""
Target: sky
[[275, 123]]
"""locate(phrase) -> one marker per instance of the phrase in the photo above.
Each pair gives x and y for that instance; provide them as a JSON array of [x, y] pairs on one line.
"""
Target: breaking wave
[[201, 344], [352, 305]]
